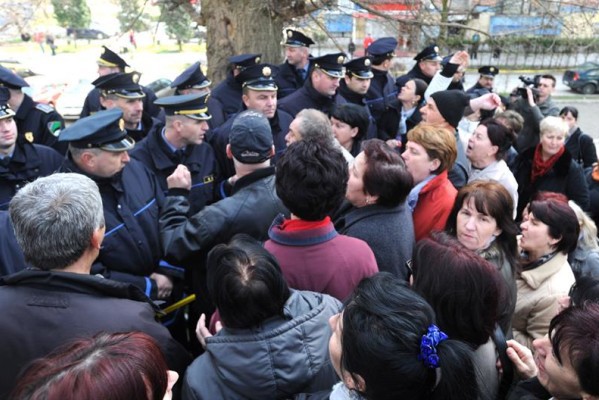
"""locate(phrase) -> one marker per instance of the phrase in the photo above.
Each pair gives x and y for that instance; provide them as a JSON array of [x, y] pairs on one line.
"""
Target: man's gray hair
[[314, 125], [54, 218]]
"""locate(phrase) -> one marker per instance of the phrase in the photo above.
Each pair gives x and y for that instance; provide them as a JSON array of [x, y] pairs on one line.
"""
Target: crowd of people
[[311, 230]]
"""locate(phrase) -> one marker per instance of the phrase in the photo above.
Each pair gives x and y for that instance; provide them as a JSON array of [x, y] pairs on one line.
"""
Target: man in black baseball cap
[[110, 62], [36, 123], [320, 89], [294, 71]]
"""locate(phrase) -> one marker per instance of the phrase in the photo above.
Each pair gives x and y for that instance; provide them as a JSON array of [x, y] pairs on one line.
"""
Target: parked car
[[86, 33], [70, 103], [584, 79]]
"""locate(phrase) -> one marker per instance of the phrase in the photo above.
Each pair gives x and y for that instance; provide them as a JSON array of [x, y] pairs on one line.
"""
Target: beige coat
[[538, 292]]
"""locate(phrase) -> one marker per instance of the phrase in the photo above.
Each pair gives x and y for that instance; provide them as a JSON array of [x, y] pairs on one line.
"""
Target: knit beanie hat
[[451, 105]]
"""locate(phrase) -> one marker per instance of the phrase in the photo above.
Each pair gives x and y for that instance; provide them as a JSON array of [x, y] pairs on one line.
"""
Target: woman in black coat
[[578, 144]]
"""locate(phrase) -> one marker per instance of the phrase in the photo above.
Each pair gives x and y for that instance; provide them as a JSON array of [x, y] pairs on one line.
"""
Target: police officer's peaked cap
[[122, 84], [330, 64], [383, 47], [488, 70], [242, 61], [10, 79], [5, 110], [430, 53], [189, 105], [109, 58], [192, 77], [295, 38], [359, 67], [104, 130], [259, 77]]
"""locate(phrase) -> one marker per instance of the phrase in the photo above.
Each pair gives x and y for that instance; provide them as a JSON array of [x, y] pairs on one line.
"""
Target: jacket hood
[[280, 357]]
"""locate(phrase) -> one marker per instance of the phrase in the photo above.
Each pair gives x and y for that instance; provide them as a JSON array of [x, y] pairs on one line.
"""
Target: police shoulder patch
[[44, 107], [54, 127]]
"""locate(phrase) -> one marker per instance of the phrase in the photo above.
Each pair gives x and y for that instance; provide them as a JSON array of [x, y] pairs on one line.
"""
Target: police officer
[[225, 99], [294, 71], [484, 84], [110, 63], [320, 89], [122, 90], [192, 80], [260, 94], [382, 94], [355, 84], [428, 62], [131, 198], [181, 141], [20, 161], [36, 123]]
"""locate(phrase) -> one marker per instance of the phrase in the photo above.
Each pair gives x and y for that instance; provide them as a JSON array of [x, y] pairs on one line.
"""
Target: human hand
[[393, 143], [164, 285], [462, 58], [489, 101], [530, 97], [180, 178], [522, 358], [202, 331]]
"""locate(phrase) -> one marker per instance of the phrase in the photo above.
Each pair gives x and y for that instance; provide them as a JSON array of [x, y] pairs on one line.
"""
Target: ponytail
[[456, 374]]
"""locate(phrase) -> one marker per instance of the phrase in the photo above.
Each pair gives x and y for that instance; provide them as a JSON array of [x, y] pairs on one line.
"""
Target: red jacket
[[434, 205]]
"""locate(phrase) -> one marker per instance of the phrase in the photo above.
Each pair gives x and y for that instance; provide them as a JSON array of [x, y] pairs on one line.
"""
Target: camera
[[528, 82]]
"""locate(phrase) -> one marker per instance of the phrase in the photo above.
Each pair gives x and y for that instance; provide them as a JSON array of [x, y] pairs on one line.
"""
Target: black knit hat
[[451, 104]]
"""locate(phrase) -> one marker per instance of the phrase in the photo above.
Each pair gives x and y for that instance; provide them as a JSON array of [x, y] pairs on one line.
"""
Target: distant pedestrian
[[132, 39], [50, 43], [368, 41], [351, 48]]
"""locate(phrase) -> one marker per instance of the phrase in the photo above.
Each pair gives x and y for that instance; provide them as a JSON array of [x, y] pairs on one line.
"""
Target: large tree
[[72, 13], [178, 22], [132, 16], [245, 26]]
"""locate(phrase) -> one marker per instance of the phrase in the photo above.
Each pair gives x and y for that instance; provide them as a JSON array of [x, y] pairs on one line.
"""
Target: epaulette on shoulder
[[44, 107]]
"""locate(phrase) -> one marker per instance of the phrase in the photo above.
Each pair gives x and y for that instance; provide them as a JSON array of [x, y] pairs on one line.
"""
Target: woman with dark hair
[[430, 153], [486, 150], [467, 294], [578, 144], [273, 343], [376, 209], [549, 233], [350, 125], [385, 345], [549, 167], [116, 366], [396, 125], [481, 220]]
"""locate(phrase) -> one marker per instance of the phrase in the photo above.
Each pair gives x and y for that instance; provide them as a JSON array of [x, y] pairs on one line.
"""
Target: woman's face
[[475, 230], [408, 92], [570, 120], [355, 185], [480, 147], [552, 142], [418, 163], [344, 133], [535, 236], [558, 379]]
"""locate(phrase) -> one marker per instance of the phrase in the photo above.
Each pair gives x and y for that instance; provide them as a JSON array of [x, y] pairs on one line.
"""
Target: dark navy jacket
[[147, 124], [219, 139], [308, 97], [360, 100], [92, 104], [39, 123], [155, 154], [382, 94], [131, 249], [224, 101], [11, 256], [28, 162], [287, 80], [415, 72]]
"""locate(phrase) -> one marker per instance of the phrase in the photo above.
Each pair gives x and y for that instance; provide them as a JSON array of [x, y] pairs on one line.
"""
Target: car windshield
[[588, 65]]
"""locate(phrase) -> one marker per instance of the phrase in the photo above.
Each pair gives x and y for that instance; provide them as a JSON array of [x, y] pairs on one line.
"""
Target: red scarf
[[540, 167]]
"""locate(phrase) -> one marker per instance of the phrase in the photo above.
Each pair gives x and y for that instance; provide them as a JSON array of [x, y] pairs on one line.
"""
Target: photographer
[[536, 105]]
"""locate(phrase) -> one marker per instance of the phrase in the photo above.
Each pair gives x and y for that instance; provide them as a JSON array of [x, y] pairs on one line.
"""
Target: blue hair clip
[[428, 346]]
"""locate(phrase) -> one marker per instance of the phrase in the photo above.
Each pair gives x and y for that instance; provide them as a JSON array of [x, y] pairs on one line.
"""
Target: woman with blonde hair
[[584, 260]]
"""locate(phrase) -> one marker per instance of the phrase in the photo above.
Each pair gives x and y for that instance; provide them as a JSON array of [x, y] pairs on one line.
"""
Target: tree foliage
[[178, 22], [132, 16], [72, 13]]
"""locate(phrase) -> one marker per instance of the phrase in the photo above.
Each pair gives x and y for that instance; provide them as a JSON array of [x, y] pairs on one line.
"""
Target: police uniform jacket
[[224, 101], [92, 104], [308, 97], [478, 90], [358, 99], [28, 162], [46, 309], [382, 94], [131, 248], [11, 256], [288, 80], [415, 72], [39, 123], [155, 154], [279, 125]]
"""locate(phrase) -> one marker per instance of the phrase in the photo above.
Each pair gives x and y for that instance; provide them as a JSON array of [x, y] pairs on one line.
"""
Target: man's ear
[[229, 153], [354, 381]]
